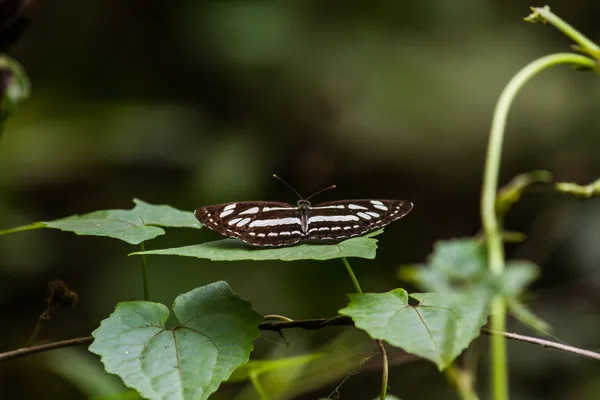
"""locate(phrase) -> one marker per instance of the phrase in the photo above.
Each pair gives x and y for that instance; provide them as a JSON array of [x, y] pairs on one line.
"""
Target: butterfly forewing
[[348, 218], [260, 223]]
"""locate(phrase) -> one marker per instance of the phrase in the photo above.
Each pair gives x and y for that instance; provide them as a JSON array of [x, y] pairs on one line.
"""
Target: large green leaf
[[132, 226], [189, 361], [235, 250], [439, 328]]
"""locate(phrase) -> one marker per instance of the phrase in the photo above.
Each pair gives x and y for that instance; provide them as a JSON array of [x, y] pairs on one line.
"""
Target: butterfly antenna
[[288, 185], [320, 191]]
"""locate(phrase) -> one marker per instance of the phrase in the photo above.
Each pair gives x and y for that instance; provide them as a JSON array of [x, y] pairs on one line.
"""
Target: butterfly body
[[276, 224]]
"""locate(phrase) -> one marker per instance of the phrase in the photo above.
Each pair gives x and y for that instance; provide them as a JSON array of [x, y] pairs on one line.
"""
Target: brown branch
[[310, 324], [26, 351]]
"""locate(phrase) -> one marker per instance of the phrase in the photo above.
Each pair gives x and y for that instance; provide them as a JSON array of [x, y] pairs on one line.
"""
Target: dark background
[[190, 103]]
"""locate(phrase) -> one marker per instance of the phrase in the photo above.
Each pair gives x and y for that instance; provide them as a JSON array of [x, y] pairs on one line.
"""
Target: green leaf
[[164, 215], [524, 315], [258, 367], [235, 250], [439, 328], [459, 258], [118, 224], [455, 265], [132, 226], [516, 277], [189, 361], [461, 264]]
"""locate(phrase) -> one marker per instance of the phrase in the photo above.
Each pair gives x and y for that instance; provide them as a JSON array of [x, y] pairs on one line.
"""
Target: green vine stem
[[257, 386], [384, 377], [145, 273], [585, 45], [488, 201], [352, 276]]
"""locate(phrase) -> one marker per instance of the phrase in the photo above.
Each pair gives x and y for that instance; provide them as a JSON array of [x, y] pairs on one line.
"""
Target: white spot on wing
[[379, 205], [347, 227], [278, 208], [252, 210], [225, 213], [339, 206], [261, 235], [333, 218], [336, 228], [356, 207], [230, 207], [275, 222], [243, 222], [252, 234], [234, 221], [364, 215], [324, 228], [285, 233], [273, 233], [373, 214]]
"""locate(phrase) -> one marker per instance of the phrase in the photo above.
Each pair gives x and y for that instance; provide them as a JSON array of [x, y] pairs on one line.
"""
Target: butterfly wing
[[348, 218], [259, 223]]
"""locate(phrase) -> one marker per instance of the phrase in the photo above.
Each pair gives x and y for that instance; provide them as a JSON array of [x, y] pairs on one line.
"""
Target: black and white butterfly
[[275, 224]]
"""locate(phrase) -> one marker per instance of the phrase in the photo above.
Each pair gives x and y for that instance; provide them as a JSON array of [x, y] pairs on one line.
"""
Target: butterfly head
[[303, 204]]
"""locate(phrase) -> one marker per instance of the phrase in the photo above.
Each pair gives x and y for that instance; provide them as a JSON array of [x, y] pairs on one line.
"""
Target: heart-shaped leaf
[[132, 226], [439, 328], [215, 337], [235, 250]]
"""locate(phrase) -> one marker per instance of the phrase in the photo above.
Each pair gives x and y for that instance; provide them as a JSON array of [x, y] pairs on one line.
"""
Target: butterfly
[[276, 224]]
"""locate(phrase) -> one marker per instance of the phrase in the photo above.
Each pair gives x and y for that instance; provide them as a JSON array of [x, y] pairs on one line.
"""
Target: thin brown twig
[[310, 324], [545, 343], [26, 351]]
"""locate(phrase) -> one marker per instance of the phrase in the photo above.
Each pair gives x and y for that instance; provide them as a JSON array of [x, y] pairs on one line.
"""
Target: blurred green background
[[190, 103]]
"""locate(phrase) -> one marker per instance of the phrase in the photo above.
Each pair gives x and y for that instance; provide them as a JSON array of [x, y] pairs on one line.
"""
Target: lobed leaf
[[439, 328], [189, 361], [236, 250], [132, 226]]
